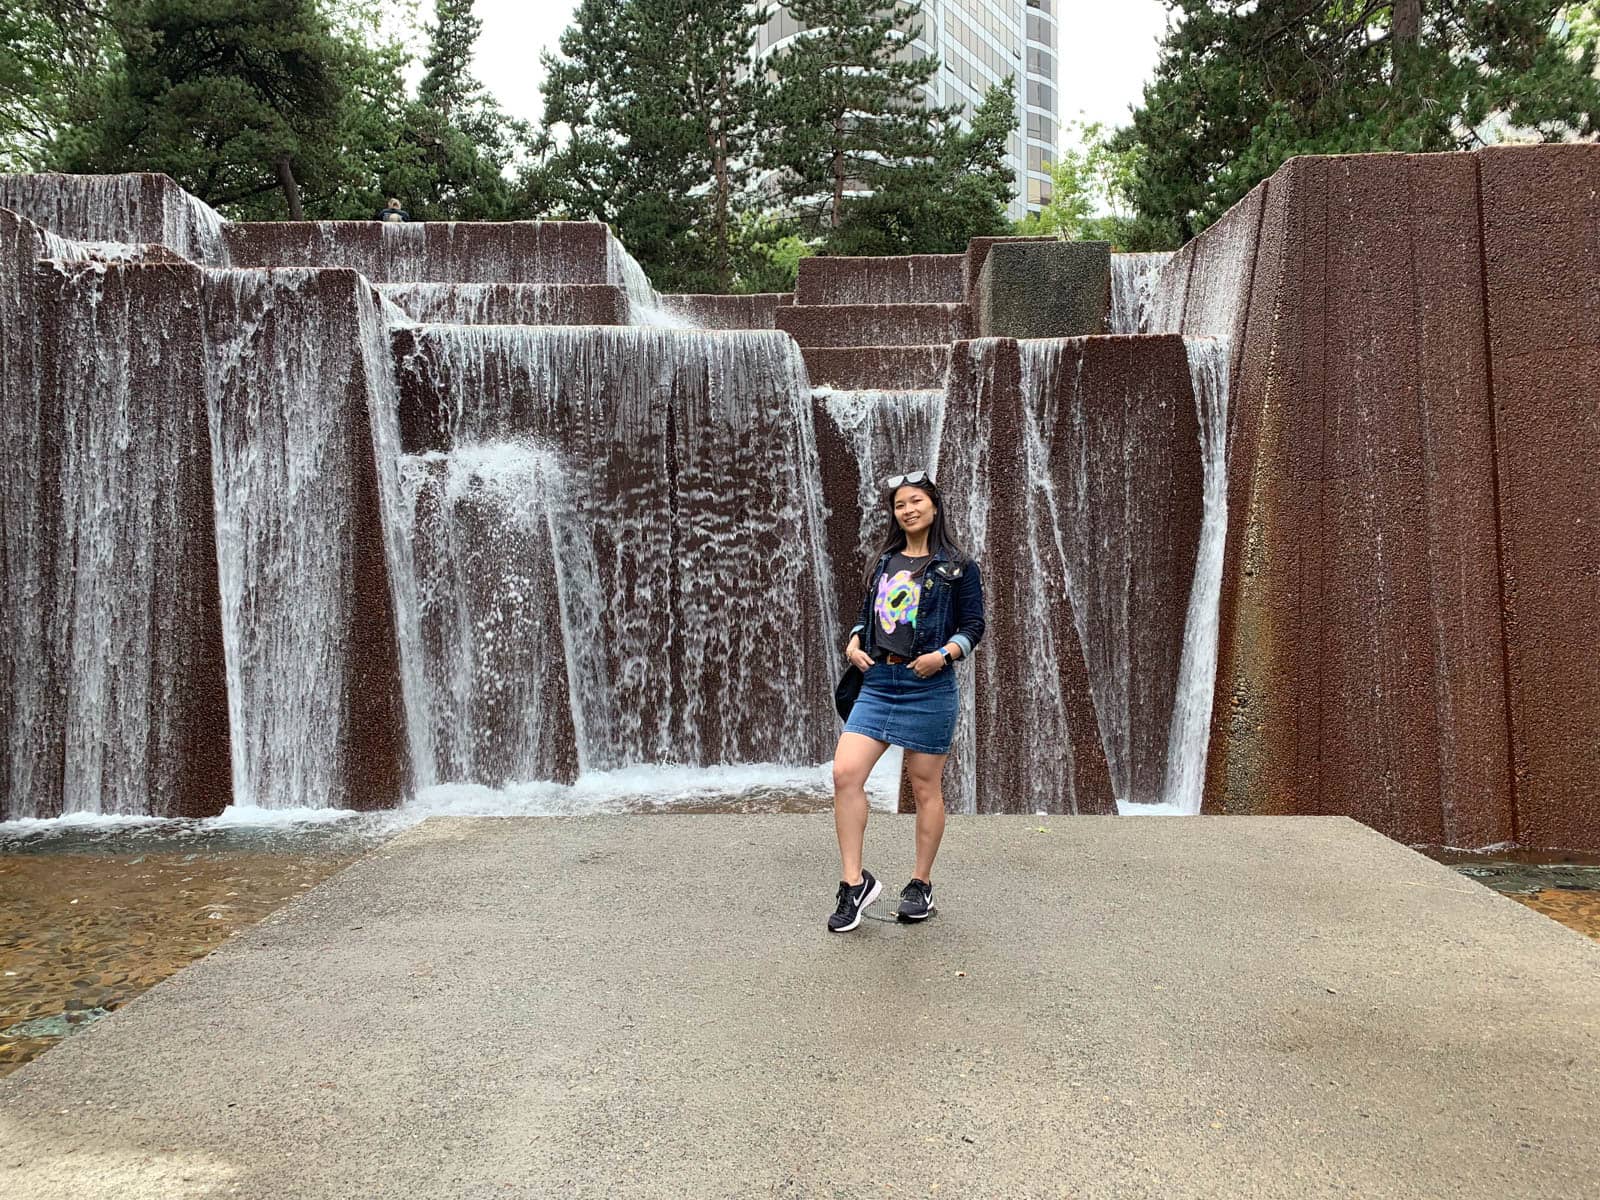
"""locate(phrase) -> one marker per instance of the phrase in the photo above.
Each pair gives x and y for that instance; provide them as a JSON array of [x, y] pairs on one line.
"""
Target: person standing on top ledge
[[393, 212]]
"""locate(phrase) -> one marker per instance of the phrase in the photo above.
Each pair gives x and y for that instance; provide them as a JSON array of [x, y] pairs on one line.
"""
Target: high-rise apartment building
[[981, 43]]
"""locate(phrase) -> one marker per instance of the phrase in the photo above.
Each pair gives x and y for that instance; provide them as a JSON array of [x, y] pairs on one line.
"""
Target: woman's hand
[[857, 656], [928, 664]]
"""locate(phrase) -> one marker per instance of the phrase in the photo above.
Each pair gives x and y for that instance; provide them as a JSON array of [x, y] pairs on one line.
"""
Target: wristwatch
[[944, 653]]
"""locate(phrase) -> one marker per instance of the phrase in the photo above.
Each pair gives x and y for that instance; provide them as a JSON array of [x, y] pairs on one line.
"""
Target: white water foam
[[1135, 279], [1190, 737]]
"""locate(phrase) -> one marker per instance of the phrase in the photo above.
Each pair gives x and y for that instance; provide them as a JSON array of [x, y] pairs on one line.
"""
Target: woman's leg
[[927, 772], [852, 763]]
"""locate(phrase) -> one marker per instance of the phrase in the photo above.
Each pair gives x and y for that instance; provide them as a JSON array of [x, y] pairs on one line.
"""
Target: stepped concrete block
[[978, 253], [1214, 299], [877, 368], [876, 324], [900, 279], [1360, 668], [269, 331], [754, 311], [113, 692], [510, 303], [659, 433], [1093, 406], [125, 210], [1043, 289], [1541, 225], [433, 251]]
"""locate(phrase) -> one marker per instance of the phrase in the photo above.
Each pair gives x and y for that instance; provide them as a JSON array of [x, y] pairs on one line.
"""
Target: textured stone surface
[[1360, 669], [1040, 289], [904, 279], [1541, 223], [123, 209], [510, 303], [272, 332], [1252, 1008], [457, 252], [1000, 760], [885, 368], [876, 324], [978, 253], [728, 312], [112, 683]]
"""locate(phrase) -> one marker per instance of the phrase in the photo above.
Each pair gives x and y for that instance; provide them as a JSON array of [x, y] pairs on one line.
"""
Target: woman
[[922, 611]]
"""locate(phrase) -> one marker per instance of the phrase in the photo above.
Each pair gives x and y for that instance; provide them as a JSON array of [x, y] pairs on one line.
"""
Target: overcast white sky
[[1108, 50]]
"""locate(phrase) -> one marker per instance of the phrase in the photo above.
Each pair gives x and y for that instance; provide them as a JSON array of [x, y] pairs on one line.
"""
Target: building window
[[1041, 95]]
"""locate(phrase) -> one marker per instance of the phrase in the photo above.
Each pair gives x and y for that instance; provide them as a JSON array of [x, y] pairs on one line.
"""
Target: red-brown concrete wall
[[1541, 248], [111, 438], [1380, 409]]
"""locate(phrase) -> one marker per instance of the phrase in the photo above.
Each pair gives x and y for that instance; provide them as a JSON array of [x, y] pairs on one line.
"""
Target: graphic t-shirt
[[899, 597]]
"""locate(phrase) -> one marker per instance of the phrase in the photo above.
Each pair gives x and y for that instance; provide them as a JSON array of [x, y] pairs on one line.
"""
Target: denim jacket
[[951, 609]]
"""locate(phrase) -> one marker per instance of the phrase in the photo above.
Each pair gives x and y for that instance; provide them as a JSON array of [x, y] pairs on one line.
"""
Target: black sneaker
[[916, 901], [853, 900]]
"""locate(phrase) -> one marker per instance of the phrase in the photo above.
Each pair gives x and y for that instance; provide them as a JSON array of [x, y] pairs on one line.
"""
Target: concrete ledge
[[897, 279], [1178, 1008], [1043, 289], [876, 324], [753, 311], [877, 368], [510, 303]]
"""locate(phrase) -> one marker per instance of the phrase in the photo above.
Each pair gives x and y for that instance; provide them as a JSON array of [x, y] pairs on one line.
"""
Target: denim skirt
[[898, 706]]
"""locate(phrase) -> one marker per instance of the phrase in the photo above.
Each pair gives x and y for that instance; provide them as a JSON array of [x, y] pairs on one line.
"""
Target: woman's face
[[913, 508]]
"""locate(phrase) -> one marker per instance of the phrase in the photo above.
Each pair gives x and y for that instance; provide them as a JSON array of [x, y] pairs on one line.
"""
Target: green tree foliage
[[52, 53], [455, 148], [935, 205], [1241, 88], [1092, 180], [234, 101], [269, 108], [848, 107], [658, 112]]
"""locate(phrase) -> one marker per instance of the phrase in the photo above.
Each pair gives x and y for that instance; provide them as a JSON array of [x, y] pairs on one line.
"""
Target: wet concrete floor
[[88, 923]]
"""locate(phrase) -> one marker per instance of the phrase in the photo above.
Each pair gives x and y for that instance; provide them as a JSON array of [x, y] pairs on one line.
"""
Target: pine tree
[[848, 106], [459, 143], [234, 102], [53, 54], [581, 95], [658, 107], [936, 206], [1240, 89]]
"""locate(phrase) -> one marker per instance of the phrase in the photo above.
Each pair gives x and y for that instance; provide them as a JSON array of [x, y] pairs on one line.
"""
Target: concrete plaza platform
[[650, 1007]]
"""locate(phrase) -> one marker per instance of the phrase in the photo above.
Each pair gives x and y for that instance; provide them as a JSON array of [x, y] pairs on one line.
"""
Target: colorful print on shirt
[[898, 598]]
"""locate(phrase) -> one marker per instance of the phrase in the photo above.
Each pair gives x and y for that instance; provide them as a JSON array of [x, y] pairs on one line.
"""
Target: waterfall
[[1135, 279], [697, 621], [496, 549], [119, 209], [1191, 715], [885, 433], [305, 463]]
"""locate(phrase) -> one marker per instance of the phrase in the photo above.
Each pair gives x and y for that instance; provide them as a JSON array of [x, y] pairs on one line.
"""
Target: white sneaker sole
[[877, 889]]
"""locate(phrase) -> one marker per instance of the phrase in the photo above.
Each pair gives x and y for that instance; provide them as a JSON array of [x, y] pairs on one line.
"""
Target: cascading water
[[120, 209], [697, 617], [296, 408], [98, 550], [1191, 714], [1135, 279], [496, 548], [885, 433]]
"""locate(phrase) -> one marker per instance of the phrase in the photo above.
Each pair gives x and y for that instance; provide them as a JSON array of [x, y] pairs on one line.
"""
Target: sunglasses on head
[[895, 481]]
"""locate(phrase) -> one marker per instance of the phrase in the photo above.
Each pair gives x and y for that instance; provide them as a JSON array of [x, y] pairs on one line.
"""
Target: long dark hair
[[940, 540]]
